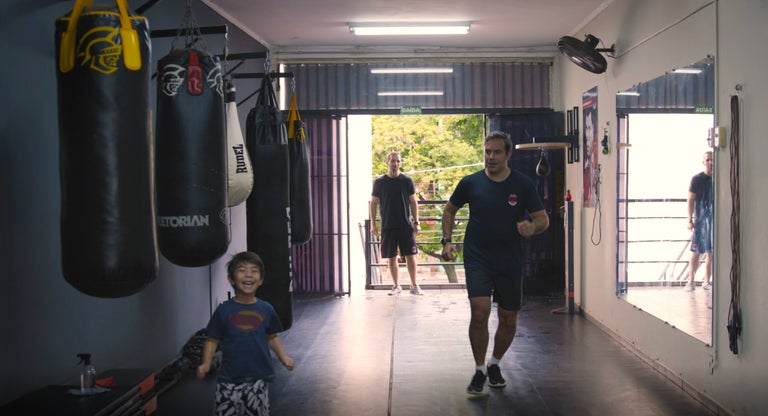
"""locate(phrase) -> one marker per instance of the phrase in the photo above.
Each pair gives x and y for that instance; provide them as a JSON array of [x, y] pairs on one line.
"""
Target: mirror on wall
[[665, 158]]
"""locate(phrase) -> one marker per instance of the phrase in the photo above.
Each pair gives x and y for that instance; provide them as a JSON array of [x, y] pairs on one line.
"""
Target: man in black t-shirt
[[504, 208], [700, 218], [395, 193]]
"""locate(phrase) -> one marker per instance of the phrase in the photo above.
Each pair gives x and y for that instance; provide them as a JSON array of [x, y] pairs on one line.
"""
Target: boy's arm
[[277, 346], [208, 350]]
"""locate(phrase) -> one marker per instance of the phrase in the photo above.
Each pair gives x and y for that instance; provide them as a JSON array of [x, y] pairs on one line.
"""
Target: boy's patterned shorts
[[245, 399]]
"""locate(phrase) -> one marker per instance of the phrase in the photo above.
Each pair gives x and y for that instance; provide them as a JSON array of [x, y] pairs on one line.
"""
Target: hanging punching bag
[[240, 170], [191, 164], [108, 240], [267, 208], [300, 192]]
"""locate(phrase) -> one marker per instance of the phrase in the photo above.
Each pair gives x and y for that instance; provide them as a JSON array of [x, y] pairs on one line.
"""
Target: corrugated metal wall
[[673, 93], [319, 266], [483, 85]]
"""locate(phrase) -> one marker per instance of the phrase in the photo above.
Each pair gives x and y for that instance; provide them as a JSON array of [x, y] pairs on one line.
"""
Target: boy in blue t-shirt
[[246, 329]]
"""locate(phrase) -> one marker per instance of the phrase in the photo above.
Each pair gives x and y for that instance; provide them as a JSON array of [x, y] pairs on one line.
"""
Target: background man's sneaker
[[477, 385], [416, 290], [706, 286], [494, 377], [690, 287], [395, 290]]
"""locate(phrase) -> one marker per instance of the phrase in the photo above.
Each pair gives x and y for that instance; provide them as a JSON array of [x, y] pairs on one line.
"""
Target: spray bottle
[[87, 374]]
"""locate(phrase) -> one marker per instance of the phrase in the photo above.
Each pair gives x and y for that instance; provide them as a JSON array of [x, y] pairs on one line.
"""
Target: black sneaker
[[477, 385], [494, 377]]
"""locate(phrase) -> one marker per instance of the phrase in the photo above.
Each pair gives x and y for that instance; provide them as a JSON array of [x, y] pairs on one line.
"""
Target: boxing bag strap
[[129, 36], [295, 126]]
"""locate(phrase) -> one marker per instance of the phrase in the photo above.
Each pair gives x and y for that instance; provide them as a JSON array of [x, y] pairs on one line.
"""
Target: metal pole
[[569, 307]]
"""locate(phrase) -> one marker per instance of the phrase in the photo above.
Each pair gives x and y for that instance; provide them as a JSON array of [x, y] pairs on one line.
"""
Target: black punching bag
[[301, 191], [267, 207], [191, 161], [108, 240]]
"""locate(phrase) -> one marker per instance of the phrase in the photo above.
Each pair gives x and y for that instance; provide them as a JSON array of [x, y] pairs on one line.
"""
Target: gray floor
[[409, 355]]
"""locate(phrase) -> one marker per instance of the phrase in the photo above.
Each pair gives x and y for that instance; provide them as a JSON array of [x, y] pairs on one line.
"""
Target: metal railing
[[655, 235], [427, 240]]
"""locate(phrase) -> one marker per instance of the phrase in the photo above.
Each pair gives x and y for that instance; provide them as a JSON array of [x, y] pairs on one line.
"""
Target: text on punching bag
[[239, 151], [183, 221]]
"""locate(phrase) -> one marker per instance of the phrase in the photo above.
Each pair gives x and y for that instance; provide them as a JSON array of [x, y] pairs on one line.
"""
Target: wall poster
[[590, 189]]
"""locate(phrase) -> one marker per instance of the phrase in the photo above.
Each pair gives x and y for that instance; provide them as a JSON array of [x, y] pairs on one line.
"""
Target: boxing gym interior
[[119, 216]]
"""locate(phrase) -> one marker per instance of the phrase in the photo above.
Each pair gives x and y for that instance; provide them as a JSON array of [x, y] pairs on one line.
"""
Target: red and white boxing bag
[[191, 161]]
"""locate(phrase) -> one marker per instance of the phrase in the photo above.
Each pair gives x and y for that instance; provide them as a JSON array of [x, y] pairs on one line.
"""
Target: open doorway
[[437, 151]]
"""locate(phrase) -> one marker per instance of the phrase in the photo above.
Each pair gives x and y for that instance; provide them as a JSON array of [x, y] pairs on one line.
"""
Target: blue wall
[[45, 320]]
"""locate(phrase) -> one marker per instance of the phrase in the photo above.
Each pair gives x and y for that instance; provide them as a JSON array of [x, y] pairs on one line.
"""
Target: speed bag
[[191, 161], [240, 170], [108, 241], [267, 208], [301, 189]]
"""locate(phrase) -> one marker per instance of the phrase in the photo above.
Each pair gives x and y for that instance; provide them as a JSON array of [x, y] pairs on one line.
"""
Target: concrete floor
[[409, 355]]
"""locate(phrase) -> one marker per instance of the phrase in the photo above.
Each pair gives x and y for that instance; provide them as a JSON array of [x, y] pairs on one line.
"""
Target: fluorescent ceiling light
[[687, 71], [384, 29], [632, 93], [397, 93], [412, 71]]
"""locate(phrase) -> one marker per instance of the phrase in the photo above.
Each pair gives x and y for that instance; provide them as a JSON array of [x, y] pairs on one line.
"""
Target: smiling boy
[[246, 328]]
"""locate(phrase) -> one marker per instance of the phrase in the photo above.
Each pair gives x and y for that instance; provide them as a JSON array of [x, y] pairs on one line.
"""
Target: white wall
[[360, 167], [652, 37]]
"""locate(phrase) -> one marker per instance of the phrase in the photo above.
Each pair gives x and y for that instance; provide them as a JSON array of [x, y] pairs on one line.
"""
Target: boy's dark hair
[[500, 135], [245, 257]]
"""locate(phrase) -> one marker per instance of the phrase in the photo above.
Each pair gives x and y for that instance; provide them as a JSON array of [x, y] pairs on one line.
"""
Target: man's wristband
[[444, 240], [416, 222]]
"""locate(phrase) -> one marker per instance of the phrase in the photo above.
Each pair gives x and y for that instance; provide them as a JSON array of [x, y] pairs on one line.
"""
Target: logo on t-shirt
[[512, 199], [246, 320]]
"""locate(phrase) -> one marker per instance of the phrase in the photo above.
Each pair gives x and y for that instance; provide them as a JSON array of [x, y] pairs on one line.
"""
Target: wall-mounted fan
[[584, 53]]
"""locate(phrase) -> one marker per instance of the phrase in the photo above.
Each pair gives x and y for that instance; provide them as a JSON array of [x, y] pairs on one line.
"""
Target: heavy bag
[[267, 208], [300, 191], [239, 168], [108, 240], [191, 162]]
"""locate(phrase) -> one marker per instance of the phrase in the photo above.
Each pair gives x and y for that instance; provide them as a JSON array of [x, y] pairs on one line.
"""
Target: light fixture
[[686, 71], [391, 28], [584, 53], [412, 71], [630, 93], [400, 93]]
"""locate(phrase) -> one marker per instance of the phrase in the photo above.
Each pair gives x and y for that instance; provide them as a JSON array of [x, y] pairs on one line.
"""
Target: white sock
[[481, 368], [494, 361]]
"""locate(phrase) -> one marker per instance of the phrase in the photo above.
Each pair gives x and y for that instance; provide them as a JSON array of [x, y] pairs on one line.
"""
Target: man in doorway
[[504, 208], [396, 194], [700, 216]]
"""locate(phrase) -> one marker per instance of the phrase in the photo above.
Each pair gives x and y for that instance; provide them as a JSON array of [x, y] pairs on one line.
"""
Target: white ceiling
[[319, 28]]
